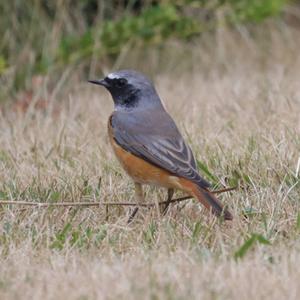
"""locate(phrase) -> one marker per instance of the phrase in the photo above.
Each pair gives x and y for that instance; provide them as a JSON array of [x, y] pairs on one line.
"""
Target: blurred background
[[58, 45], [228, 72]]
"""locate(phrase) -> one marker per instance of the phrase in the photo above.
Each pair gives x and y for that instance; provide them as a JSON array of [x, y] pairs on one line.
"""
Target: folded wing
[[162, 145]]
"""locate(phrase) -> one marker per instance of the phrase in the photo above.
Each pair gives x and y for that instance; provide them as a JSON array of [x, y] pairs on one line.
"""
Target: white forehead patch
[[112, 76]]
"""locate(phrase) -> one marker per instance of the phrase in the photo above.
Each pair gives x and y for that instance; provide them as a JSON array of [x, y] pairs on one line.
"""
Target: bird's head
[[129, 89]]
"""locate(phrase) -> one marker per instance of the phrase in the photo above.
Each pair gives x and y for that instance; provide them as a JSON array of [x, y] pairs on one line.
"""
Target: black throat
[[127, 100]]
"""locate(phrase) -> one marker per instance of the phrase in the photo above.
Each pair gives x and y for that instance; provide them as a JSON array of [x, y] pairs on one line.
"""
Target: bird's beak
[[99, 82]]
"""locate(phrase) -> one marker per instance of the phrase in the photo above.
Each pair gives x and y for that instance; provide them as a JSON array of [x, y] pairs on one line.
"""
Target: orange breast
[[140, 170]]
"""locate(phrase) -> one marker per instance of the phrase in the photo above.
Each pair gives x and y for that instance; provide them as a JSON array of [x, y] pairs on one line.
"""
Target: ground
[[238, 107]]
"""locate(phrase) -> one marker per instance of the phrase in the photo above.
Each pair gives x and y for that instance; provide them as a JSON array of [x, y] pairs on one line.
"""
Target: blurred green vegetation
[[44, 37]]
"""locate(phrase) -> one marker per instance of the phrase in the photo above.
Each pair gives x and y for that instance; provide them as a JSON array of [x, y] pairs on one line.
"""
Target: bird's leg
[[139, 197], [166, 206]]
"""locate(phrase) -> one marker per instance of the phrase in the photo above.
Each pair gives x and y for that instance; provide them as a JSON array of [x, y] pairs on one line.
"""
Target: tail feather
[[209, 200]]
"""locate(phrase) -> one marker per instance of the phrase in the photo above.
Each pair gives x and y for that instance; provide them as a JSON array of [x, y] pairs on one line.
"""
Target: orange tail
[[209, 200]]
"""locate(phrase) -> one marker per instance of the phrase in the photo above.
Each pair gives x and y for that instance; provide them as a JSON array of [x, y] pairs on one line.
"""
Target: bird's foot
[[132, 215], [167, 203]]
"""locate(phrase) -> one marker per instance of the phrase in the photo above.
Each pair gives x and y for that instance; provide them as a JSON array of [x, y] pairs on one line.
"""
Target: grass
[[238, 107]]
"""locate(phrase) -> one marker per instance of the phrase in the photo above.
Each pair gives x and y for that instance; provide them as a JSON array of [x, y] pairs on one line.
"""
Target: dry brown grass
[[238, 106]]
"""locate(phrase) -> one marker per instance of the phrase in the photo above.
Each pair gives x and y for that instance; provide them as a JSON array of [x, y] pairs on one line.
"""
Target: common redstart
[[148, 143]]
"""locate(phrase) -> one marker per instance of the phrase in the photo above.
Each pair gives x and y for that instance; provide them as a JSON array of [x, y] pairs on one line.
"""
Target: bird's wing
[[157, 141]]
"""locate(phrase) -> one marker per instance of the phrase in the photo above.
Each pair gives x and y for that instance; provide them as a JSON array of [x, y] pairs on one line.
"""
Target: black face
[[130, 89], [111, 83], [116, 83], [122, 91]]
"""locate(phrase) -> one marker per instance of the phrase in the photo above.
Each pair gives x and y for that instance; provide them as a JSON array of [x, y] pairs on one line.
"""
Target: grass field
[[238, 105]]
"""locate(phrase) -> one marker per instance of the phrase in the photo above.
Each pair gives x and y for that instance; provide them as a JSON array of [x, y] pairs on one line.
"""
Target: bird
[[149, 145]]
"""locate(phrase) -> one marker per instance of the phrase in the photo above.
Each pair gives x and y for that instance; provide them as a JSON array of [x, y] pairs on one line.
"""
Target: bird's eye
[[121, 82]]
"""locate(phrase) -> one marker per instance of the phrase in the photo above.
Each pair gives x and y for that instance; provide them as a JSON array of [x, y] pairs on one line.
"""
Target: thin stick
[[224, 190], [66, 204]]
